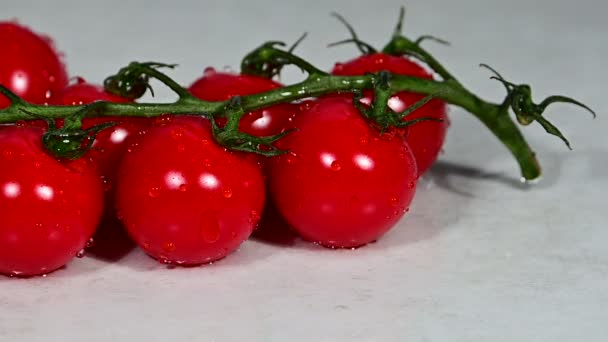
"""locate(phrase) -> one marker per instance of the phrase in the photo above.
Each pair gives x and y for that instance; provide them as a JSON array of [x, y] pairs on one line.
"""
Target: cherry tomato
[[110, 144], [30, 66], [425, 138], [343, 184], [49, 209], [111, 240], [183, 198], [220, 86]]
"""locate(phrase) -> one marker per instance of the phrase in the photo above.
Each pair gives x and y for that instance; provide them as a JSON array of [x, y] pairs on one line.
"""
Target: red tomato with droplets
[[343, 184], [110, 144], [425, 138], [48, 209], [110, 240], [184, 199], [30, 66], [221, 86]]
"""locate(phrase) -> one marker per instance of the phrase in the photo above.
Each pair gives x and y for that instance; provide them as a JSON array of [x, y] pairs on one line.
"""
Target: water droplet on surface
[[336, 165], [154, 191], [81, 253], [169, 247], [227, 192]]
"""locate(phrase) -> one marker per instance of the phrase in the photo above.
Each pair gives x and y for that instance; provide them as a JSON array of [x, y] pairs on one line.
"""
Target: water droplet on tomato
[[183, 187], [254, 217], [163, 119], [39, 226], [394, 201], [169, 247], [207, 163], [90, 243], [364, 140], [119, 215], [233, 235], [336, 165], [177, 133], [209, 71], [81, 253], [227, 192], [154, 191], [8, 154], [181, 148], [210, 227]]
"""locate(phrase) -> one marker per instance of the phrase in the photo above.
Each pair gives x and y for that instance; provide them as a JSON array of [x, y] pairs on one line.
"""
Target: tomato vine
[[132, 82]]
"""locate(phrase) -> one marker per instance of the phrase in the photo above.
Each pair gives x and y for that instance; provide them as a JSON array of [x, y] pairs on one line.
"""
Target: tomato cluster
[[182, 197]]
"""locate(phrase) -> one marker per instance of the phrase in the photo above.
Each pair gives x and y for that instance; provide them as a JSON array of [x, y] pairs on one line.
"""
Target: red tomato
[[110, 240], [343, 184], [183, 198], [48, 209], [29, 65], [109, 145], [425, 138], [219, 86]]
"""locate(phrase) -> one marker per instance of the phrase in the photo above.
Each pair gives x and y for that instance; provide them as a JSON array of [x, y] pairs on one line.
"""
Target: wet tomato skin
[[220, 86], [30, 66], [425, 138], [49, 209], [343, 184], [183, 198]]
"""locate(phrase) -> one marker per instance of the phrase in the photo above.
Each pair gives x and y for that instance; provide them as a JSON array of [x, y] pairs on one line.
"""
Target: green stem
[[494, 116]]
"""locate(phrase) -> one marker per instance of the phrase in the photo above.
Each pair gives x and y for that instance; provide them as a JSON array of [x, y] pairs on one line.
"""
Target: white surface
[[478, 258]]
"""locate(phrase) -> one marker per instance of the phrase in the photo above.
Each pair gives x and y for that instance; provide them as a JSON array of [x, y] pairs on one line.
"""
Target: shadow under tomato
[[273, 229], [111, 241]]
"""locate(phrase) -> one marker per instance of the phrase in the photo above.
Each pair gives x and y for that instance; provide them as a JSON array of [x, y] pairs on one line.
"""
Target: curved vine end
[[364, 48], [519, 99]]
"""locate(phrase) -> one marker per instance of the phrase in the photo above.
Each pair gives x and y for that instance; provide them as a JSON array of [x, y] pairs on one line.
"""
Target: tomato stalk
[[268, 59]]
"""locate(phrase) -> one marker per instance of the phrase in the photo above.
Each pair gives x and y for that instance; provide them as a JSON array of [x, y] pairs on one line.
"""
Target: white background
[[478, 258]]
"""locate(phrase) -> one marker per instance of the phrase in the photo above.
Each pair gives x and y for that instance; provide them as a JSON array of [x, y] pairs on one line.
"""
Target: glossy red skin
[[183, 198], [48, 209], [110, 144], [343, 184], [220, 86], [425, 138], [30, 67]]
